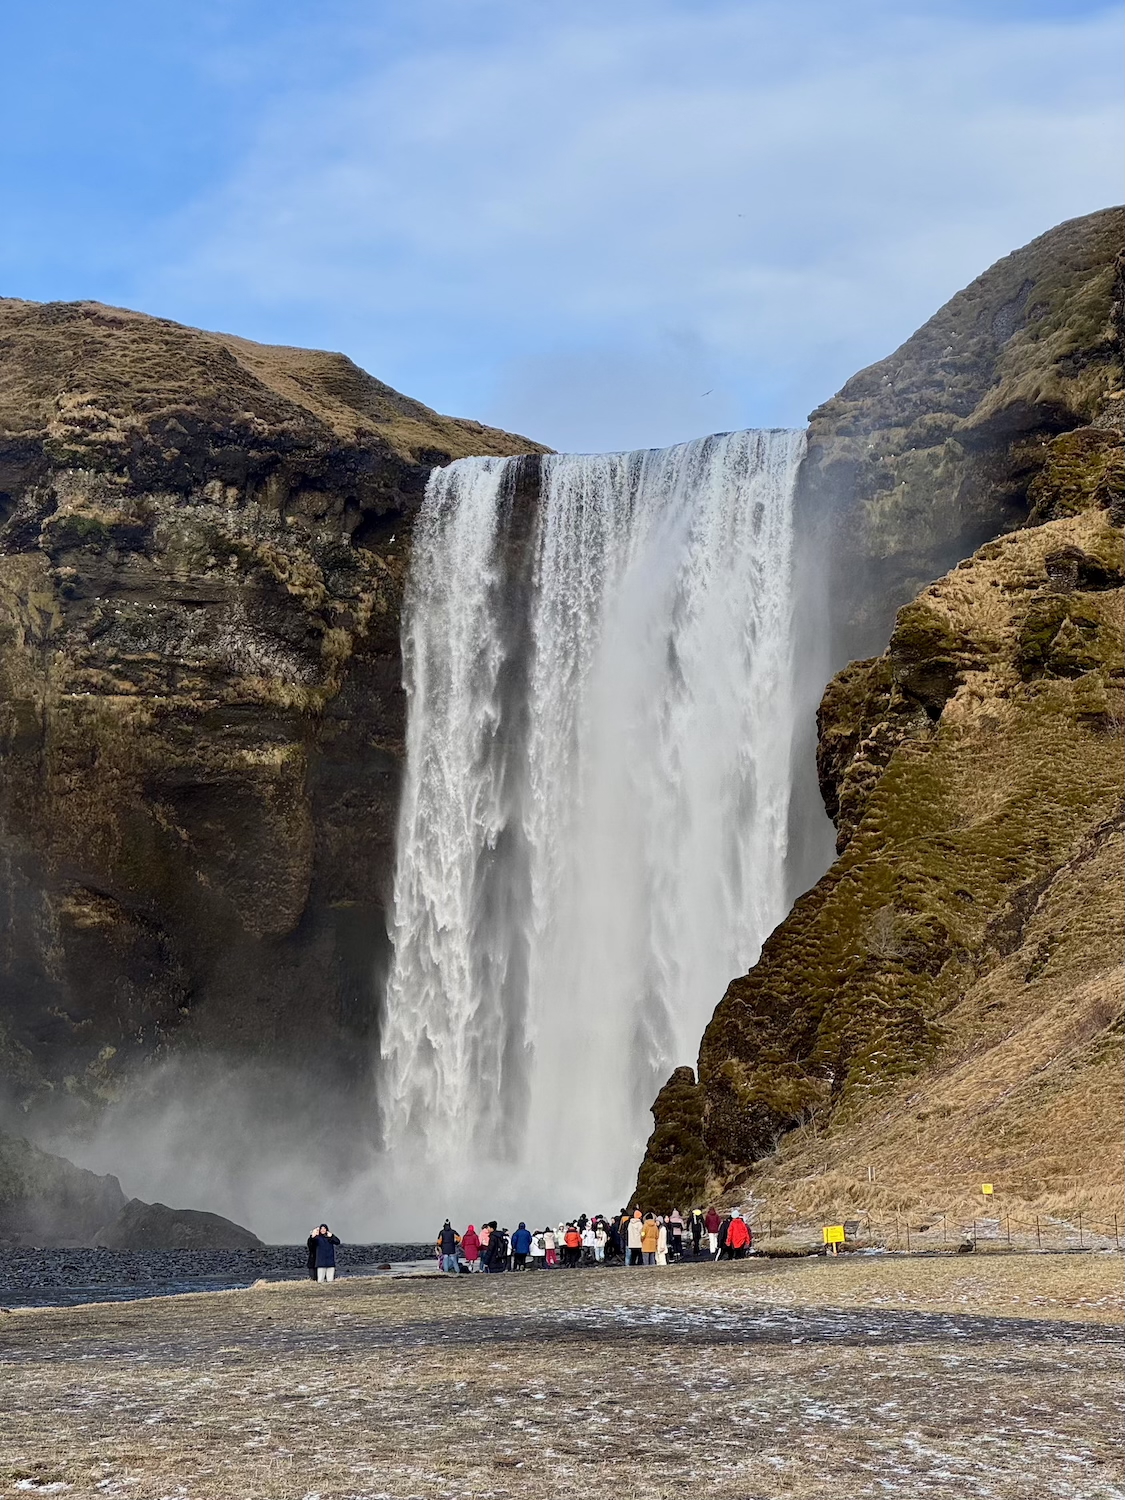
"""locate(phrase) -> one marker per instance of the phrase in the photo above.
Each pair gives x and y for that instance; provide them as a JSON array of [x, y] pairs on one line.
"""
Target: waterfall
[[593, 830]]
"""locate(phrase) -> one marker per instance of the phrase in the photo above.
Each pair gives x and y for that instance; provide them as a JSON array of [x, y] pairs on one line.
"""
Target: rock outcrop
[[202, 551], [47, 1200], [928, 454], [155, 1226], [946, 1001]]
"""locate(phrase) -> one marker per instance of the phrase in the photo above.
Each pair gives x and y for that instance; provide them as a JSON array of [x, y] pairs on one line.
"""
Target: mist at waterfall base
[[592, 841]]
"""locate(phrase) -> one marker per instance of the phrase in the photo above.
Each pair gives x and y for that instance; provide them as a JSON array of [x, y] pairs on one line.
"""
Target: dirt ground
[[991, 1376]]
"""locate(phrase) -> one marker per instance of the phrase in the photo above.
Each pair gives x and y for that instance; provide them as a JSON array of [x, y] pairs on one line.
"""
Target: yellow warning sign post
[[834, 1236], [986, 1189]]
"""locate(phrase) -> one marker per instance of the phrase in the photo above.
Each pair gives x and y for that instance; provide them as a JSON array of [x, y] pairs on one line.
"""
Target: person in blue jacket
[[521, 1244], [326, 1243]]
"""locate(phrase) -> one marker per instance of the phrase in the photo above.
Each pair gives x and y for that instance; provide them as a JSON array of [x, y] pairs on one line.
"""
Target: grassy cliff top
[[62, 362], [1030, 340]]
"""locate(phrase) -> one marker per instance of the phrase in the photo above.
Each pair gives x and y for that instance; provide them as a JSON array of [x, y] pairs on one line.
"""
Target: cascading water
[[593, 831]]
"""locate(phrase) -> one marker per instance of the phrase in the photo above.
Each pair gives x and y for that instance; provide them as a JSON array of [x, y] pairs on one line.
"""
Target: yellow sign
[[986, 1189], [834, 1234]]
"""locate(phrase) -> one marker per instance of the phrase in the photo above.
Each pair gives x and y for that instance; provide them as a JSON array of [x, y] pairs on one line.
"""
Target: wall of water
[[594, 823]]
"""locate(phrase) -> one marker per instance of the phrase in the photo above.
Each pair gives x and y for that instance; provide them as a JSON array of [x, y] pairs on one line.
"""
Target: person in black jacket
[[326, 1243], [447, 1241], [696, 1226], [723, 1253], [497, 1250], [310, 1246]]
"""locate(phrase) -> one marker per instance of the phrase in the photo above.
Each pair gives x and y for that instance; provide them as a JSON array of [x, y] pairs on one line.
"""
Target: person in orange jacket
[[650, 1238], [572, 1239]]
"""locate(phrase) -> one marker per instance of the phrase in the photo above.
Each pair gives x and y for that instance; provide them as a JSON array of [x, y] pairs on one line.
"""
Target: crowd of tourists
[[630, 1238]]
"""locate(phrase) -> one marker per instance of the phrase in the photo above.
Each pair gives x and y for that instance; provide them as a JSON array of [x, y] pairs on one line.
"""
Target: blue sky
[[605, 225]]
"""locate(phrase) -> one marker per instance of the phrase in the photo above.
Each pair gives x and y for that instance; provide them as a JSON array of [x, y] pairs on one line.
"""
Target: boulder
[[155, 1226]]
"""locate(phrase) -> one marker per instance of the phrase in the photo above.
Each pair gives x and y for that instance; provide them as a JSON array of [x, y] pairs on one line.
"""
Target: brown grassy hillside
[[945, 1005]]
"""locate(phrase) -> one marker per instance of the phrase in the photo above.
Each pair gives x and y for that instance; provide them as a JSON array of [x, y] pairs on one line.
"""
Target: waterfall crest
[[592, 836]]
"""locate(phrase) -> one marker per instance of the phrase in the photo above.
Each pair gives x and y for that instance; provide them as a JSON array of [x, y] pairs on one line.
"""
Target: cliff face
[[47, 1200], [202, 550], [923, 457], [946, 1000]]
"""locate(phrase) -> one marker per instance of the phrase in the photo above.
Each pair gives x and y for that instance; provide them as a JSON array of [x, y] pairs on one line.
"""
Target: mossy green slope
[[954, 817]]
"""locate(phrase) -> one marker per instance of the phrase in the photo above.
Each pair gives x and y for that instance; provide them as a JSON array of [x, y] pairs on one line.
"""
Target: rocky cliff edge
[[202, 548]]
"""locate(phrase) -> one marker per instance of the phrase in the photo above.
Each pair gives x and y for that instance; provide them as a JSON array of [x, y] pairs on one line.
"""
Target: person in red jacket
[[470, 1248], [711, 1222], [738, 1236]]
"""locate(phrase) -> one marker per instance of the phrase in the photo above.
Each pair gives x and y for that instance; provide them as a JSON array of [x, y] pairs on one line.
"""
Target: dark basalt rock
[[675, 1159], [155, 1226]]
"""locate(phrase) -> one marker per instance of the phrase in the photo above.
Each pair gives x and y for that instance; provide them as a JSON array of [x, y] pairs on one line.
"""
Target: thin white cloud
[[509, 226]]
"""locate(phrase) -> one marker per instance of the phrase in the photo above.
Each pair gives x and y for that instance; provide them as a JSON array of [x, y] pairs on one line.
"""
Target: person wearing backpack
[[497, 1250]]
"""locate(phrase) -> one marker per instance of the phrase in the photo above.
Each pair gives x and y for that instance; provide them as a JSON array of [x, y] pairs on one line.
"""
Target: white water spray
[[593, 831]]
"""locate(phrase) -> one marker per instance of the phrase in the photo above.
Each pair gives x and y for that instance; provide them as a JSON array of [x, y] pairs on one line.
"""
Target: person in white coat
[[662, 1245], [589, 1244], [634, 1237]]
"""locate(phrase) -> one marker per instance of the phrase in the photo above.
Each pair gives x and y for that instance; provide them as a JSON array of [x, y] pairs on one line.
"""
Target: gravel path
[[751, 1382]]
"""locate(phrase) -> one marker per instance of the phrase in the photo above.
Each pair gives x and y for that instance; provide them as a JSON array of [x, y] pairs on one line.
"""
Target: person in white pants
[[589, 1244], [711, 1223], [326, 1243]]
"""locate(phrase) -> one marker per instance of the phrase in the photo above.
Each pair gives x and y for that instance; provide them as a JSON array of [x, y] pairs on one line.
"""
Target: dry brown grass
[[760, 1379], [1026, 1088]]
